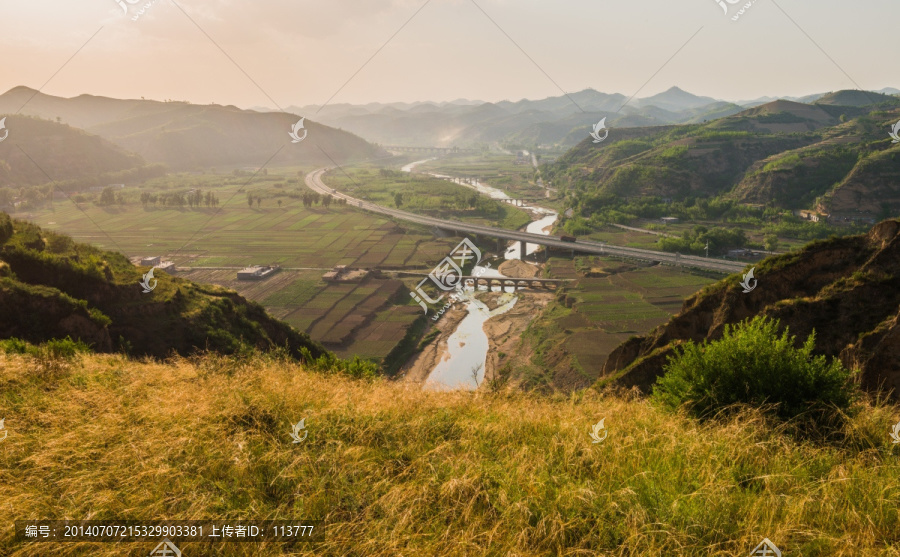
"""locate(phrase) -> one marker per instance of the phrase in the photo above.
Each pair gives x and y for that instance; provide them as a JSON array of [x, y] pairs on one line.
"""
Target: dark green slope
[[51, 287], [784, 154]]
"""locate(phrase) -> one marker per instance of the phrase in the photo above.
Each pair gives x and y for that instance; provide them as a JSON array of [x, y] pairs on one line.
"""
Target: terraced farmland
[[350, 318], [600, 312]]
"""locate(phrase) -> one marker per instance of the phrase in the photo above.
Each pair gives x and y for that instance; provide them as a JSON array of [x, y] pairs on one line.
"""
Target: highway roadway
[[315, 183]]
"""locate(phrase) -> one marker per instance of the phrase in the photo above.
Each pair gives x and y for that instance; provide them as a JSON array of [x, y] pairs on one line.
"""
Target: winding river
[[462, 366]]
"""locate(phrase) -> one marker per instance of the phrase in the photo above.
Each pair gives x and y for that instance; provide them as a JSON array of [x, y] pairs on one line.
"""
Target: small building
[[340, 273], [812, 216], [257, 272], [167, 266], [669, 220]]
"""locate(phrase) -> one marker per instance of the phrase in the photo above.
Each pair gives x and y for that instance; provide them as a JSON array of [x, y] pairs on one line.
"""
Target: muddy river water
[[462, 366]]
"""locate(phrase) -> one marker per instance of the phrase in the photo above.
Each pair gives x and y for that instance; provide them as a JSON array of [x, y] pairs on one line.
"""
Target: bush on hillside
[[62, 348], [752, 364], [6, 228]]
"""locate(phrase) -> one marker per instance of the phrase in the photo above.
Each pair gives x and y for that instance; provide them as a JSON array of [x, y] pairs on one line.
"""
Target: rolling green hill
[[39, 151], [783, 154]]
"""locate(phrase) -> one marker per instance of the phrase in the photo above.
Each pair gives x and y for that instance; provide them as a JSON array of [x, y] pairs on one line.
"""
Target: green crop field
[[426, 195], [600, 312], [494, 169], [350, 318]]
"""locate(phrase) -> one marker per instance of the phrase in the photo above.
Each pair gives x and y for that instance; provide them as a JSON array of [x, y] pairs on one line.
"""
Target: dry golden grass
[[395, 471]]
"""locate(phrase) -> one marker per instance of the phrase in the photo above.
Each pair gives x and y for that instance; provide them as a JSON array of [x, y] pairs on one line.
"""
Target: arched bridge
[[514, 283], [521, 201]]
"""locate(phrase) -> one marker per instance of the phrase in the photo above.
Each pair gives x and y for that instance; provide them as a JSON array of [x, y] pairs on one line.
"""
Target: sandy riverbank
[[505, 331], [417, 369]]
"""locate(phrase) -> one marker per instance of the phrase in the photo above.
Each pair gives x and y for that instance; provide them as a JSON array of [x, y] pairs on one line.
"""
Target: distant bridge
[[437, 150], [315, 183], [520, 201], [502, 282]]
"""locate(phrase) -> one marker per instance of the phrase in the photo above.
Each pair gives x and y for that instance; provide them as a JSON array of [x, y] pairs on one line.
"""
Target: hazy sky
[[303, 51]]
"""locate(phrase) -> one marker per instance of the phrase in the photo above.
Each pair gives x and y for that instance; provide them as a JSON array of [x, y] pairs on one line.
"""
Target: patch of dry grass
[[396, 471]]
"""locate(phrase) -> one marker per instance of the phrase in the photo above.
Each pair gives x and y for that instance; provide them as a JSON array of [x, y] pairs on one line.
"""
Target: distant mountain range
[[560, 120], [184, 136], [835, 155]]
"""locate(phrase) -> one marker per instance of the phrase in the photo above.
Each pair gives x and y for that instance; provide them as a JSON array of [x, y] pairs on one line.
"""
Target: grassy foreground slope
[[393, 470]]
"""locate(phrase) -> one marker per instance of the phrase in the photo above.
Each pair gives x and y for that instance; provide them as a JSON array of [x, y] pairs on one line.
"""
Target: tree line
[[195, 198]]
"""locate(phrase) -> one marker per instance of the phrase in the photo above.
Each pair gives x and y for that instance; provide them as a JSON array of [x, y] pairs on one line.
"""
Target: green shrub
[[64, 348], [14, 346], [6, 228], [752, 364]]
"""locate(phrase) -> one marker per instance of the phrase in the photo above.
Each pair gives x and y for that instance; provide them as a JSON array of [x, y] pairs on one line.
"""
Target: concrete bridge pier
[[523, 247]]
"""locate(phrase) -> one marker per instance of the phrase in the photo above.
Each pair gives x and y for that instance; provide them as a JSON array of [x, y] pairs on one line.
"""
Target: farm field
[[426, 195], [494, 169], [627, 238], [366, 319], [608, 302]]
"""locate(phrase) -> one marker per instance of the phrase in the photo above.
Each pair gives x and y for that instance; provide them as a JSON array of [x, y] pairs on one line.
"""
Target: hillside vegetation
[[397, 471], [40, 151], [52, 287], [846, 290], [783, 154]]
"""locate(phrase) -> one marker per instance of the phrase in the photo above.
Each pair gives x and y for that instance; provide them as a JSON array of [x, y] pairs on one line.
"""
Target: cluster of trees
[[33, 197], [110, 196], [311, 198], [195, 198], [695, 241], [461, 201], [605, 209]]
